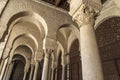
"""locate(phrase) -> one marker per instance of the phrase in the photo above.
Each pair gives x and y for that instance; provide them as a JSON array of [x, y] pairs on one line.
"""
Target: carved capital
[[84, 15], [54, 65], [48, 52], [69, 1]]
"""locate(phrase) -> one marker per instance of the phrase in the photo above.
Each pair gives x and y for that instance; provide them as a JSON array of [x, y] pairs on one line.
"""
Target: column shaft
[[31, 72], [45, 67], [5, 69], [53, 74], [36, 71], [9, 71], [64, 72], [91, 64], [24, 77], [1, 65]]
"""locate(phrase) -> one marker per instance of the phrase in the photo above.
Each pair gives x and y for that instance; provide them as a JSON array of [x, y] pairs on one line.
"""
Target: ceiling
[[59, 3], [63, 3], [103, 1]]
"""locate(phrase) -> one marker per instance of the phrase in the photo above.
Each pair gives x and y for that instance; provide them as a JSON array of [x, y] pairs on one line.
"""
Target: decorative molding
[[3, 4], [84, 15]]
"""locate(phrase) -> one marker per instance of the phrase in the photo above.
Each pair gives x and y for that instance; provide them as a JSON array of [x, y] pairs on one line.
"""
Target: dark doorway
[[18, 70], [75, 63], [108, 38], [59, 68]]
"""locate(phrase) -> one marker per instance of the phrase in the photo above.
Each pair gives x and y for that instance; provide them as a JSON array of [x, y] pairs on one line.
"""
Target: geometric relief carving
[[110, 70], [108, 32], [108, 38], [110, 51]]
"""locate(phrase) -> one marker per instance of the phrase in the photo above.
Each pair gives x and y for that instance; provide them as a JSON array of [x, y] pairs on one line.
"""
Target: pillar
[[64, 72], [26, 69], [91, 63], [36, 70], [49, 68], [56, 74], [5, 68], [1, 64], [9, 71], [46, 64], [65, 62], [53, 74], [31, 72], [25, 73], [53, 69]]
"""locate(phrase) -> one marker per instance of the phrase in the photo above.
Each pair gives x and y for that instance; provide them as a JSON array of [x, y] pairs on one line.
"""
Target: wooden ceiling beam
[[57, 2]]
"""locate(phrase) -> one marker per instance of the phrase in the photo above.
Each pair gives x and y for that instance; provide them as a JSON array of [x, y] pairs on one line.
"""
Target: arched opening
[[17, 69], [75, 69], [108, 38], [59, 67]]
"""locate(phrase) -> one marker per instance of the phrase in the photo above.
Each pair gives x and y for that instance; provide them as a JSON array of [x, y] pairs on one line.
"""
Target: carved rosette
[[84, 15]]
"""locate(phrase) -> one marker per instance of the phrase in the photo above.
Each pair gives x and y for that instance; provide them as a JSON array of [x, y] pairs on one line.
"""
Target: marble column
[[46, 64], [24, 77], [68, 72], [91, 63], [64, 72], [36, 70], [3, 68], [9, 71], [56, 74], [6, 67], [53, 74], [1, 65], [49, 68], [31, 72]]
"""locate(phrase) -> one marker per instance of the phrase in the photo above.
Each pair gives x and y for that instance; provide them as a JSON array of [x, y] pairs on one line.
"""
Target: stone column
[[53, 68], [6, 69], [46, 64], [49, 68], [3, 68], [65, 62], [25, 73], [91, 63], [31, 72], [36, 70], [1, 64], [9, 71], [53, 74], [63, 72], [56, 74], [26, 69]]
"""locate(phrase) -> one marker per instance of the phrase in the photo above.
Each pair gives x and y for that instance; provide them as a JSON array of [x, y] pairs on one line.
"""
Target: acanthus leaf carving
[[84, 15]]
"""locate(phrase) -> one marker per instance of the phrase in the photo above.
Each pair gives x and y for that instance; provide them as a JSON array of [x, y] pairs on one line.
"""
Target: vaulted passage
[[18, 71], [59, 40]]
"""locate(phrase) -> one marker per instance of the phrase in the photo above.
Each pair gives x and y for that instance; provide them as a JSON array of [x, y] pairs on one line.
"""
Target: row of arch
[[27, 38]]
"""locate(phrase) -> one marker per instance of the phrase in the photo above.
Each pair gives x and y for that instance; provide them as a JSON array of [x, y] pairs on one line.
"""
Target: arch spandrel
[[29, 23], [66, 35], [30, 17], [110, 9]]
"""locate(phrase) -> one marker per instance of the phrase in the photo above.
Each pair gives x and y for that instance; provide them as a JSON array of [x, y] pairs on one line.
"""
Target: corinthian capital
[[84, 15]]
